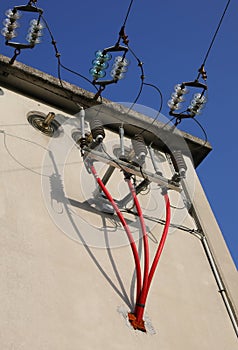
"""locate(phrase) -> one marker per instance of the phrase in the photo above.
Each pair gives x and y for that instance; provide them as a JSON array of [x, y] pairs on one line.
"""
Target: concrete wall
[[59, 293]]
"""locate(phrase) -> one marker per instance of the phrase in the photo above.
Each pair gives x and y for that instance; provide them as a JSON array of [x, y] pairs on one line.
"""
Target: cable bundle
[[143, 285]]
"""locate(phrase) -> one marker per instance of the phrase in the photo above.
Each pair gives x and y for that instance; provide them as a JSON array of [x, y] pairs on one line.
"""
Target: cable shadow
[[114, 266], [133, 280], [87, 207], [17, 161], [57, 187], [5, 134]]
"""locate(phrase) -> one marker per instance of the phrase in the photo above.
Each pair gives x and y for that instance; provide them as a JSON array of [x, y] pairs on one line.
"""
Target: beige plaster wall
[[57, 293]]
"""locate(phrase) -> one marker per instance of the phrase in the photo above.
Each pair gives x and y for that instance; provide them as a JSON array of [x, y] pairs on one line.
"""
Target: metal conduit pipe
[[221, 287], [216, 273]]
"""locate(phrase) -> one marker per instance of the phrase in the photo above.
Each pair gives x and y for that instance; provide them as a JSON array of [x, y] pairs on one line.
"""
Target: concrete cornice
[[46, 88]]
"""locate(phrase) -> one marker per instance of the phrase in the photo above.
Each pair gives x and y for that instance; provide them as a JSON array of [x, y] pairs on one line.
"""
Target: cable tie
[[140, 305], [221, 290]]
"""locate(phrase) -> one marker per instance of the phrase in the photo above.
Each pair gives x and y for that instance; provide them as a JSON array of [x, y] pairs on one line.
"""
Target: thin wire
[[161, 100], [60, 65], [112, 159], [202, 128], [159, 111], [14, 158], [142, 77], [162, 222], [122, 34], [216, 32], [128, 12], [140, 64], [204, 132], [168, 122], [57, 55], [59, 74], [78, 74], [142, 173], [198, 123]]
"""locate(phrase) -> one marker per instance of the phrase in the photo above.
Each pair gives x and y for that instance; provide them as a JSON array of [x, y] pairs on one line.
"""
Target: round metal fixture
[[44, 123]]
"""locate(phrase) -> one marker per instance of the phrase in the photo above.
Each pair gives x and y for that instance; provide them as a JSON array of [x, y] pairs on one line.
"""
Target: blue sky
[[171, 38]]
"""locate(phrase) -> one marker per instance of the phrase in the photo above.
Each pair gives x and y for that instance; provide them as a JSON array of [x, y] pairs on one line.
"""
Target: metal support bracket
[[131, 169]]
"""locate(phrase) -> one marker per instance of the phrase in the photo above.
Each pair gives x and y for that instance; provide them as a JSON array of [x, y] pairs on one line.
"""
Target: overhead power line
[[128, 12], [201, 70]]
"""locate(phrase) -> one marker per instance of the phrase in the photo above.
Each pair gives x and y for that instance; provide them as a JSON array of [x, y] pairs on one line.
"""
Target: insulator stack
[[97, 130], [10, 24], [34, 32], [119, 68], [100, 64], [197, 104], [179, 163], [177, 97], [139, 147]]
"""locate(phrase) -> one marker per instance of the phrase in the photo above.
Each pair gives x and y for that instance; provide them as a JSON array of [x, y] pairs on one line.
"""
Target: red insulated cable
[[162, 240], [146, 246], [142, 301], [126, 227]]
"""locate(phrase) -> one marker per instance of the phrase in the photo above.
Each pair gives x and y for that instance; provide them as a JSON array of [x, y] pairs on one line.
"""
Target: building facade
[[67, 270]]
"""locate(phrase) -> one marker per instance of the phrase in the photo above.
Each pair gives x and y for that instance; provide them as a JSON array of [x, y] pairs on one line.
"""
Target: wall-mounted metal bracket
[[131, 169]]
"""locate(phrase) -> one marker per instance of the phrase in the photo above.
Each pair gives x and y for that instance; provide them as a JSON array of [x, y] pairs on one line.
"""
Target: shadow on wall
[[59, 194], [57, 191]]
